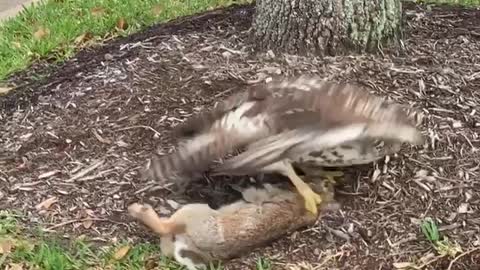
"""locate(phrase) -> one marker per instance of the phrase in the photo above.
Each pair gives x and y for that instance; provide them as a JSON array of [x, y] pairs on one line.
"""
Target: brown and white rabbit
[[197, 234]]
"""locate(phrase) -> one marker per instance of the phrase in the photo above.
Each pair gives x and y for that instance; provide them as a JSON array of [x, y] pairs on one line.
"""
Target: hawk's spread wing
[[280, 119], [313, 114], [209, 136], [204, 121]]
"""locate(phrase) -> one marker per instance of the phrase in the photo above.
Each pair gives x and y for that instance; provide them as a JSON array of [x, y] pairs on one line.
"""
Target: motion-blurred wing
[[295, 143], [311, 114], [196, 153]]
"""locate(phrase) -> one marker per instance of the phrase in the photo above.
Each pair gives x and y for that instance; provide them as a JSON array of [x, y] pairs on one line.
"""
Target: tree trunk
[[326, 27]]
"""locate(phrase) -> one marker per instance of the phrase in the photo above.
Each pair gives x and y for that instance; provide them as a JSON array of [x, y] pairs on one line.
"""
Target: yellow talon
[[330, 175], [311, 198]]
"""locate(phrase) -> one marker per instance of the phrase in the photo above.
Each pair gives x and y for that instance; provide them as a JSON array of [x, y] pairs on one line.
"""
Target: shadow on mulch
[[82, 133]]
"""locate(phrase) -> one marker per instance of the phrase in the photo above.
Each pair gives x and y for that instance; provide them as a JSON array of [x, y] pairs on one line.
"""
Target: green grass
[[263, 264], [465, 3], [441, 244], [56, 29], [37, 250]]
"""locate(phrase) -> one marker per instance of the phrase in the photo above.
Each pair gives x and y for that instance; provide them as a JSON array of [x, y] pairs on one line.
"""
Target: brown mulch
[[82, 134]]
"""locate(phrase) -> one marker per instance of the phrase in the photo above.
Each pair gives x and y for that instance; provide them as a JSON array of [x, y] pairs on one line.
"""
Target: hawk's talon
[[311, 198], [330, 175]]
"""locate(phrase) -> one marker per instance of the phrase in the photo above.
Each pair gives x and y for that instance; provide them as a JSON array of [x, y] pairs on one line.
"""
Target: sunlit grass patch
[[56, 29]]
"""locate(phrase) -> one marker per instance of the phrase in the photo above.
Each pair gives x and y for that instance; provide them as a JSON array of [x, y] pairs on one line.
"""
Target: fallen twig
[[85, 171], [50, 229], [460, 256], [140, 126]]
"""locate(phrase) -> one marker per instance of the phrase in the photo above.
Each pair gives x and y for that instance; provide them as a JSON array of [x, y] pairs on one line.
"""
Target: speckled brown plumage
[[299, 120]]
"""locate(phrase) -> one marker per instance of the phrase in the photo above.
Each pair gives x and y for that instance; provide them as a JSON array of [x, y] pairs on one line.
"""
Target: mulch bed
[[81, 135]]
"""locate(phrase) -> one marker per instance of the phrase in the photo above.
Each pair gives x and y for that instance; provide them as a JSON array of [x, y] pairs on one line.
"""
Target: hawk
[[301, 121]]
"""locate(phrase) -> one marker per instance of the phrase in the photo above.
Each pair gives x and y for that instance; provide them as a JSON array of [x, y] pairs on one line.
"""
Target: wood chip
[[402, 265], [173, 204], [463, 208], [87, 223], [48, 174], [85, 171], [46, 203]]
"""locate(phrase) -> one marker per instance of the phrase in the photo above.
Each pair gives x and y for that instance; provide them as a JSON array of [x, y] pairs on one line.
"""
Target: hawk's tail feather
[[396, 132]]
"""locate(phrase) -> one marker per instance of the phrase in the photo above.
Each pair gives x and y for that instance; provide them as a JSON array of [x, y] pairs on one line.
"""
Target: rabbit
[[197, 234]]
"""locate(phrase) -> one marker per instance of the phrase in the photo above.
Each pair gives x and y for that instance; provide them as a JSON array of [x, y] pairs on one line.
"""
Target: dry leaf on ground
[[41, 33], [85, 37], [122, 24], [121, 252], [5, 90], [16, 44], [97, 11], [157, 10], [14, 266], [6, 246]]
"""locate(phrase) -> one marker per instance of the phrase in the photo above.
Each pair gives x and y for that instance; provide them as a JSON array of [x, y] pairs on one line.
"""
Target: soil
[[78, 137]]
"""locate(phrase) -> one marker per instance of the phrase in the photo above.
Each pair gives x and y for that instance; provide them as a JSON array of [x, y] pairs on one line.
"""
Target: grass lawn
[[56, 29], [22, 249], [18, 250]]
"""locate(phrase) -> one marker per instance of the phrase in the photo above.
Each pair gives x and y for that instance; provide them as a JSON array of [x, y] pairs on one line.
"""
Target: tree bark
[[327, 27]]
